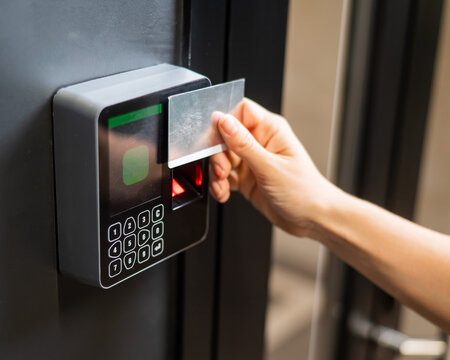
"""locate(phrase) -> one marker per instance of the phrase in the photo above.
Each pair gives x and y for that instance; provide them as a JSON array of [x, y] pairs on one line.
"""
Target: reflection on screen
[[135, 164]]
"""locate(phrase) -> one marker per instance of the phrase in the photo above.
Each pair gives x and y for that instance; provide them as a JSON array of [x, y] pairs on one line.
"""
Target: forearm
[[408, 261], [271, 168]]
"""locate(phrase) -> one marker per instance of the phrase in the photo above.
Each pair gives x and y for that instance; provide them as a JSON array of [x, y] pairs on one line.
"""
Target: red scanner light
[[177, 189], [198, 175]]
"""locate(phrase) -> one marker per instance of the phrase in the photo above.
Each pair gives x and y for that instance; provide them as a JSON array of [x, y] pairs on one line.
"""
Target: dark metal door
[[45, 45], [388, 76], [190, 307]]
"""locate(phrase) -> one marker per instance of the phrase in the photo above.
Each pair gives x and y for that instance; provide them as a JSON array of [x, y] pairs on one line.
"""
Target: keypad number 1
[[114, 231]]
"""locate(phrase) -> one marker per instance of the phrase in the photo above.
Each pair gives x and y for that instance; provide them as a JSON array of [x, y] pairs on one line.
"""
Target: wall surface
[[45, 45]]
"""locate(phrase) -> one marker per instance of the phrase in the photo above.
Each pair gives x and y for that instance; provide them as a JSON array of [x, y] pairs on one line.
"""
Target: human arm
[[270, 167]]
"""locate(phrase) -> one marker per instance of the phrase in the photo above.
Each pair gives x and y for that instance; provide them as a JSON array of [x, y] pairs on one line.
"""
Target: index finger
[[261, 123]]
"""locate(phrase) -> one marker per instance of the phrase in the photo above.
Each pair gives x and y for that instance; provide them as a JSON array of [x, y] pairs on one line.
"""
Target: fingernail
[[216, 188], [218, 170], [216, 116], [228, 125]]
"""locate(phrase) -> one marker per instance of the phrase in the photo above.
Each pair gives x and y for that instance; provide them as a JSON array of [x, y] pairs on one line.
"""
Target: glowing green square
[[135, 165]]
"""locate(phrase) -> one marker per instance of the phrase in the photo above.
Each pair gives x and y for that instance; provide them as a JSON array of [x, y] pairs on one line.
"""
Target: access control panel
[[120, 209]]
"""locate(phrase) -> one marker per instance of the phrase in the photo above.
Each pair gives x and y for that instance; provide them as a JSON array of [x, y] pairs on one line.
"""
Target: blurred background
[[309, 83]]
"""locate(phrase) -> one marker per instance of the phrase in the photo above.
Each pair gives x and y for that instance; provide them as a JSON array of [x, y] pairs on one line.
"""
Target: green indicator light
[[135, 165], [134, 116]]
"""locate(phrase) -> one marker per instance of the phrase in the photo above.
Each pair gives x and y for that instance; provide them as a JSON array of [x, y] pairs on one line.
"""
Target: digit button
[[129, 260], [157, 230], [143, 237], [114, 231], [115, 249], [143, 254], [143, 219], [129, 226], [129, 243], [115, 267]]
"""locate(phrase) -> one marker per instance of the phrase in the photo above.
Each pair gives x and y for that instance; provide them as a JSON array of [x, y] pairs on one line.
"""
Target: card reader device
[[120, 208]]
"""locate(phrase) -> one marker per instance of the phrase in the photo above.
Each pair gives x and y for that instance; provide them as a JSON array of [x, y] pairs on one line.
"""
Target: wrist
[[326, 205]]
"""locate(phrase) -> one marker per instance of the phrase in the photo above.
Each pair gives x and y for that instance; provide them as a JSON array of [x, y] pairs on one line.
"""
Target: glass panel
[[310, 71]]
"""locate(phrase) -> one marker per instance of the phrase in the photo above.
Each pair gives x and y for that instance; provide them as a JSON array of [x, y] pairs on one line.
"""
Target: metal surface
[[192, 133], [204, 51], [235, 277], [390, 338], [180, 309], [390, 64], [255, 51], [46, 45]]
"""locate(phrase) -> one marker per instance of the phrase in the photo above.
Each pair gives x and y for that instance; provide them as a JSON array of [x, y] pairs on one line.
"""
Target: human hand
[[269, 166]]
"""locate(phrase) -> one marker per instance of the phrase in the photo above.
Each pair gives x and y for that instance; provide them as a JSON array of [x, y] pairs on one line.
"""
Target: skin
[[272, 170]]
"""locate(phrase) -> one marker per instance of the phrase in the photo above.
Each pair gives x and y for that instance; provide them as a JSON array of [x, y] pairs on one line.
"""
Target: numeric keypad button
[[157, 230], [114, 231], [143, 237], [129, 243], [129, 260], [129, 226], [157, 213], [115, 250], [143, 219], [115, 267], [157, 247], [143, 254]]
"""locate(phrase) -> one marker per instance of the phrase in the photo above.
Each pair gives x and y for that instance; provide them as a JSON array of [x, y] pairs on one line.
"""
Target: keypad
[[135, 240]]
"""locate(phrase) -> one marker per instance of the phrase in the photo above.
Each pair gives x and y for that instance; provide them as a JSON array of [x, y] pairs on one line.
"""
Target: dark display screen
[[135, 174]]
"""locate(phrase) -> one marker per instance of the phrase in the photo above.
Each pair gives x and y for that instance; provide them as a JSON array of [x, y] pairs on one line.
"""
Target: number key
[[143, 237], [115, 267], [115, 249], [157, 230], [143, 219], [143, 254], [129, 260], [129, 243], [129, 226], [114, 231]]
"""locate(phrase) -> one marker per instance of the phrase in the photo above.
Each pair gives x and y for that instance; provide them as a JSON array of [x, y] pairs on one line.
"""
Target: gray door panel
[[45, 45]]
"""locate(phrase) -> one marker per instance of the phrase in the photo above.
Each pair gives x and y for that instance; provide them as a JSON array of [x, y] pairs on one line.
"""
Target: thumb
[[240, 140]]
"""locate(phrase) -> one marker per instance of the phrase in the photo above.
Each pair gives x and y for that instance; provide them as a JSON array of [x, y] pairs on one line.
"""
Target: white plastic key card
[[192, 134]]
